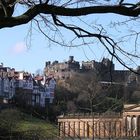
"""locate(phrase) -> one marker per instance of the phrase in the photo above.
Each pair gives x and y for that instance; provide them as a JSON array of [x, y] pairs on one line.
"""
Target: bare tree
[[52, 17], [94, 96], [88, 88]]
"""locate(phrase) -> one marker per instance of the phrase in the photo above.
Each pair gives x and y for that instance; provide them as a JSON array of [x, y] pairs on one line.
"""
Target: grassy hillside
[[15, 123]]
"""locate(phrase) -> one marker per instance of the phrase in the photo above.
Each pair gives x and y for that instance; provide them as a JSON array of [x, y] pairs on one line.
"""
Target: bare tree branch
[[63, 11]]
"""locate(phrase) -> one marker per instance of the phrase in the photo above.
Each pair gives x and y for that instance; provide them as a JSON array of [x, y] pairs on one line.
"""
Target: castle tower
[[71, 58]]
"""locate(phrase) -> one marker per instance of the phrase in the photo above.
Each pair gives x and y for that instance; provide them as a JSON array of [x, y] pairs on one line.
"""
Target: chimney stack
[[71, 58]]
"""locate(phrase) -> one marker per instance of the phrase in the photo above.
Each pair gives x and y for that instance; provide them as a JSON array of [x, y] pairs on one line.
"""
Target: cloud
[[19, 48]]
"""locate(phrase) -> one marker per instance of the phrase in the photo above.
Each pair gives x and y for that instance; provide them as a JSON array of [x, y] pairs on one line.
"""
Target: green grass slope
[[14, 122]]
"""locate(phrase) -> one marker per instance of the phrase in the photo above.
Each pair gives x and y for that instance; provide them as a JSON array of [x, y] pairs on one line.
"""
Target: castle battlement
[[104, 68]]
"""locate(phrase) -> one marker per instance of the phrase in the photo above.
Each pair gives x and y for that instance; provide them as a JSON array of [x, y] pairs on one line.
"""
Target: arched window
[[128, 123], [134, 125], [138, 126]]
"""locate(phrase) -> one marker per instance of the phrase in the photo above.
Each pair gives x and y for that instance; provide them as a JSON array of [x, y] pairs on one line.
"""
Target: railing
[[91, 115]]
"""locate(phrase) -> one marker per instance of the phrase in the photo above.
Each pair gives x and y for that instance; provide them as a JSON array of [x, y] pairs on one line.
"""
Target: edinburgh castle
[[105, 68]]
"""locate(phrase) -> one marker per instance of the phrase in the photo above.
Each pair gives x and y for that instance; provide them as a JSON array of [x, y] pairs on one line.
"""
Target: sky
[[17, 52]]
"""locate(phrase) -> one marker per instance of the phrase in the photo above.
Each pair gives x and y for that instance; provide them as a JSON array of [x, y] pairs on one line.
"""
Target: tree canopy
[[52, 16]]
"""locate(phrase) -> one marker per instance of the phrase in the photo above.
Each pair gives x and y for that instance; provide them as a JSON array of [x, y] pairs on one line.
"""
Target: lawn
[[26, 126]]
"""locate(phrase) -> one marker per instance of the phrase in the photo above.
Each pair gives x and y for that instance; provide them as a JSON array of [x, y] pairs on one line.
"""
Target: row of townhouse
[[26, 88]]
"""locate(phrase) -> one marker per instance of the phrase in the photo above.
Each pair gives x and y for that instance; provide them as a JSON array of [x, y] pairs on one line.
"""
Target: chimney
[[48, 63], [71, 58], [1, 65]]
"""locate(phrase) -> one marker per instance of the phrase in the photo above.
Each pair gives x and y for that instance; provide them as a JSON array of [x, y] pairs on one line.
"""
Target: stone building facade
[[105, 69], [62, 70], [109, 125]]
